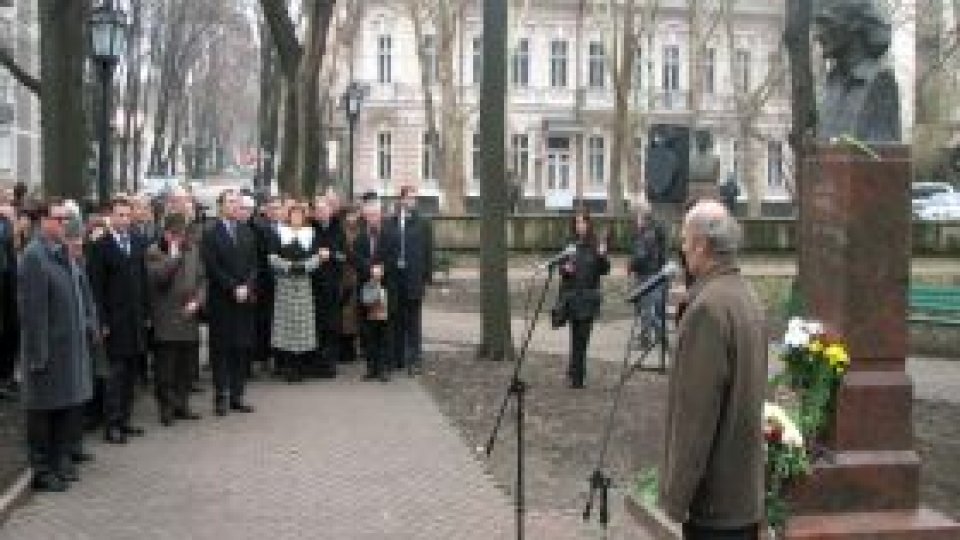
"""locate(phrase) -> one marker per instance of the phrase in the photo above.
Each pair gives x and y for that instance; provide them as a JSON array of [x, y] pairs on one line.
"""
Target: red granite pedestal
[[855, 246]]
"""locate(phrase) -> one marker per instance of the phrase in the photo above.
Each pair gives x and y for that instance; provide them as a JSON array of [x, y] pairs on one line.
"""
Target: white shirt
[[303, 236]]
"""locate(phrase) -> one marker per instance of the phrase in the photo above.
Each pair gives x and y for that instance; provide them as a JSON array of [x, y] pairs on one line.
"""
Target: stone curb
[[652, 520], [15, 494]]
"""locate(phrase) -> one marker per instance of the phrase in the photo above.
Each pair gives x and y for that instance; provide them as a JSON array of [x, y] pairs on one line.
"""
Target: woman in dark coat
[[349, 286], [580, 292], [294, 260]]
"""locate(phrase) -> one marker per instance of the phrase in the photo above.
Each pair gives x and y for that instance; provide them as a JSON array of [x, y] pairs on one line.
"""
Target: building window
[[558, 163], [741, 70], [431, 65], [520, 67], [597, 160], [384, 59], [558, 63], [775, 165], [478, 60], [637, 70], [596, 67], [709, 70], [6, 87], [520, 152], [671, 68], [428, 156], [384, 155], [475, 161], [6, 151]]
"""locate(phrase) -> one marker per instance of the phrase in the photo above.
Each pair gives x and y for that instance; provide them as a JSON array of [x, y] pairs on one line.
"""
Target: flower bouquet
[[814, 363]]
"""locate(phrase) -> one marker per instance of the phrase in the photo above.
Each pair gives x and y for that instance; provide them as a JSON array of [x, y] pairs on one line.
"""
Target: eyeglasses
[[60, 219]]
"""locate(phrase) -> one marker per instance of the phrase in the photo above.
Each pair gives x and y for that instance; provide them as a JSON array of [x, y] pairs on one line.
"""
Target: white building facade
[[561, 97], [19, 109]]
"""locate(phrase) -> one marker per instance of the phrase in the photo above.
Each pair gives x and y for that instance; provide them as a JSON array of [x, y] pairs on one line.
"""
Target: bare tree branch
[[28, 81]]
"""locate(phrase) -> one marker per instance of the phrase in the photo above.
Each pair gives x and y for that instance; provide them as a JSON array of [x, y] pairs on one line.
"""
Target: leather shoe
[[186, 415], [48, 482], [81, 457], [241, 407], [68, 472], [115, 436], [133, 430], [220, 409]]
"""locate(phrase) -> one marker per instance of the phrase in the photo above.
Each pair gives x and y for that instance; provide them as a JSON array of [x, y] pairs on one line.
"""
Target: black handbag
[[560, 313]]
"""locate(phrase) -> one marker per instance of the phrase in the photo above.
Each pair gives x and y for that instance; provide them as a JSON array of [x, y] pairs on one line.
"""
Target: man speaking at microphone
[[712, 478]]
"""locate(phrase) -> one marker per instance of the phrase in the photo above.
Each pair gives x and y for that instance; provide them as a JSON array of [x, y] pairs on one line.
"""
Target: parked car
[[920, 193], [940, 207]]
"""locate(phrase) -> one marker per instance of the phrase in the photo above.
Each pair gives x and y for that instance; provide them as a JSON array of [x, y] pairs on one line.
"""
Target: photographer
[[647, 258]]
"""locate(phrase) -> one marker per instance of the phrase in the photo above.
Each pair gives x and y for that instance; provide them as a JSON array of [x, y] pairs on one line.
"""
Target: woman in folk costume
[[294, 258]]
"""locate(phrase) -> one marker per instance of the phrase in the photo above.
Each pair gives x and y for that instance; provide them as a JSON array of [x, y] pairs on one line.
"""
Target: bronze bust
[[860, 97]]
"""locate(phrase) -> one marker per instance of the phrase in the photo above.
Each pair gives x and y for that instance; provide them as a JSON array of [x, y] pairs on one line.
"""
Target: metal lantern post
[[108, 42], [352, 98]]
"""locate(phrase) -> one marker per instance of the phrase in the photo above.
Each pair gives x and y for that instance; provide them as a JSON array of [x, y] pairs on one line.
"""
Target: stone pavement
[[338, 460]]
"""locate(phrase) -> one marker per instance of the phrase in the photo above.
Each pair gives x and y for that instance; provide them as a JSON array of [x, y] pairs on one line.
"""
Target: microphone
[[569, 251], [667, 272]]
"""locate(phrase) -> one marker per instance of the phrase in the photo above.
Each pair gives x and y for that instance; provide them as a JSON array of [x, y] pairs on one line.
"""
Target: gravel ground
[[563, 426]]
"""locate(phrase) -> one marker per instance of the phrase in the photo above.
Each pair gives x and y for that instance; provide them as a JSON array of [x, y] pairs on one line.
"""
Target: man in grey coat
[[712, 479], [55, 333]]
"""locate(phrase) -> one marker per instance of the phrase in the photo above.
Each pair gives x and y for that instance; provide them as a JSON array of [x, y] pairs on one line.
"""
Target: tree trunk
[[452, 119], [497, 342], [426, 83], [269, 108], [286, 176], [63, 124], [623, 82], [131, 95]]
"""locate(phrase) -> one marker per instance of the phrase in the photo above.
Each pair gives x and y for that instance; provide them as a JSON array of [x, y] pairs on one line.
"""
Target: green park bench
[[935, 305]]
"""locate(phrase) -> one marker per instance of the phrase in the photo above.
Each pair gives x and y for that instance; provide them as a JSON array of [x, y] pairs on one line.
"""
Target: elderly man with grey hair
[[712, 478]]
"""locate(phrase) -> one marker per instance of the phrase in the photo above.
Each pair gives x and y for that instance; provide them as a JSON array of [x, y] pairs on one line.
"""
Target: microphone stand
[[517, 388], [600, 481]]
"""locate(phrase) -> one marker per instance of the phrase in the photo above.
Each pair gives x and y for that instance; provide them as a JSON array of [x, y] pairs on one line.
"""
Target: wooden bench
[[935, 305]]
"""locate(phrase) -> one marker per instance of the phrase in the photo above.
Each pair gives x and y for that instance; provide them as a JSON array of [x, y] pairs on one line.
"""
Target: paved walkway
[[338, 460]]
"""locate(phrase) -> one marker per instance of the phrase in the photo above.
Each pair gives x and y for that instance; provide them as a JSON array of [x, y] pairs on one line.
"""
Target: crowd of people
[[95, 302]]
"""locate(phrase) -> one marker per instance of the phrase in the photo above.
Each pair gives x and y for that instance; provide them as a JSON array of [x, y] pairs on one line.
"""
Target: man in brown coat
[[712, 478], [177, 294]]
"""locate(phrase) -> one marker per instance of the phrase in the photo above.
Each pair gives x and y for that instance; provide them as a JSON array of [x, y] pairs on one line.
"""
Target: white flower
[[775, 415], [797, 335]]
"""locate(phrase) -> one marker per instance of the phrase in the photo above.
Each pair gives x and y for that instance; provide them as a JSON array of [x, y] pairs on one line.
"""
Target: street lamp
[[108, 42], [352, 98]]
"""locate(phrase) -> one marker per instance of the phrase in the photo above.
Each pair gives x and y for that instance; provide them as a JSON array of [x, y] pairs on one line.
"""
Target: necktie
[[403, 241], [125, 243]]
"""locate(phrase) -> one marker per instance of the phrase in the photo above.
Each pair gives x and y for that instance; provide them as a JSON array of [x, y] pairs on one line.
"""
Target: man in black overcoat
[[409, 269], [9, 319], [266, 227], [326, 286], [229, 253], [118, 275]]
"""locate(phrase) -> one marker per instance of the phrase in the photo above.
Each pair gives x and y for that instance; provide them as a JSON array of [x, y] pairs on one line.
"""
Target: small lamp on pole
[[352, 99], [108, 44]]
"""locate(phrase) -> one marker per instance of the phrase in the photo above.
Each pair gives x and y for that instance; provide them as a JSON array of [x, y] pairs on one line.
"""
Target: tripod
[[517, 388], [599, 480]]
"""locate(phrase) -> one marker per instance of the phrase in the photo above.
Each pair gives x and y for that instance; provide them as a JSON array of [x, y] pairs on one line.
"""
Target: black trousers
[[118, 395], [327, 356], [406, 330], [9, 343], [698, 532], [375, 347], [51, 436], [579, 340], [174, 362], [230, 371]]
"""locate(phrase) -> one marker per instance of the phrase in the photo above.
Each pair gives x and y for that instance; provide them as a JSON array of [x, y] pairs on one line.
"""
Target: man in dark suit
[[9, 320], [119, 279], [266, 227], [229, 255], [409, 269], [326, 287]]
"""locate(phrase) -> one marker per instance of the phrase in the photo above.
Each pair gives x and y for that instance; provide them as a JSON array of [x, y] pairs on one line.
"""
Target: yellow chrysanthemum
[[815, 347], [836, 354]]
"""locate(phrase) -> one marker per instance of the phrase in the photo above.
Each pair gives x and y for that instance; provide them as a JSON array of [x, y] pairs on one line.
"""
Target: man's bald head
[[713, 222]]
